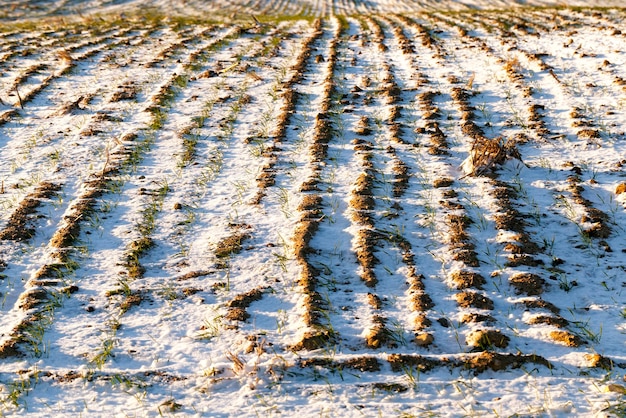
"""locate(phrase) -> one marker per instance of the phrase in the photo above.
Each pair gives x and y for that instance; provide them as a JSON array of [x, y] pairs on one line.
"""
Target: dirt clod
[[567, 338], [312, 340], [496, 361], [469, 299], [485, 339], [400, 362], [599, 361], [423, 339], [464, 279], [527, 283]]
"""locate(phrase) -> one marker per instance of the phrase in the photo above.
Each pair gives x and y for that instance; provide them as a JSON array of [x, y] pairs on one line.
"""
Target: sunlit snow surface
[[177, 120]]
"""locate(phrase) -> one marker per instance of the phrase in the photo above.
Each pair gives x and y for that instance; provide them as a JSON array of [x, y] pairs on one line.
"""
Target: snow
[[140, 312]]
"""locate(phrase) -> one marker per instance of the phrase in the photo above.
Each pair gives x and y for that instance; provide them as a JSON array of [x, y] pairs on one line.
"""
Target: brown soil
[[400, 362], [32, 298], [598, 230], [588, 134], [230, 245], [423, 339], [302, 235], [522, 245], [421, 302], [442, 182], [510, 221], [189, 291], [245, 299], [540, 304], [310, 186], [469, 299], [464, 279], [374, 301], [599, 361], [556, 321], [496, 361], [362, 202], [390, 387], [7, 115], [18, 228], [310, 203], [516, 260], [485, 339], [527, 283], [65, 236], [313, 340], [566, 338], [421, 322], [126, 91], [194, 274], [474, 318], [363, 364], [467, 255], [49, 271], [9, 349], [379, 335], [131, 300], [237, 314], [363, 127]]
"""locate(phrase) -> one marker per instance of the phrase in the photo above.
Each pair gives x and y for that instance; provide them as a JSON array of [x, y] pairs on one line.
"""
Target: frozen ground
[[390, 213]]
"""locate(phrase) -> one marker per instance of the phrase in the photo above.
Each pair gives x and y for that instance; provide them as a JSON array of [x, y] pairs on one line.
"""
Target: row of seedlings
[[289, 96], [41, 287], [125, 296], [485, 155], [585, 127], [480, 339], [67, 63], [282, 118], [363, 200], [535, 114], [236, 236], [187, 140], [319, 332], [419, 301], [57, 159], [464, 277], [529, 284], [229, 245], [44, 291], [198, 168]]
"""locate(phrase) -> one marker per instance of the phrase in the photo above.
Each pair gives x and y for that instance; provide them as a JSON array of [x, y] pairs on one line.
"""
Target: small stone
[[178, 206], [621, 188]]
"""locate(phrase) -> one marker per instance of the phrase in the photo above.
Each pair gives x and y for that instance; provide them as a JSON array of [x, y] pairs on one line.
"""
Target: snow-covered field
[[373, 208]]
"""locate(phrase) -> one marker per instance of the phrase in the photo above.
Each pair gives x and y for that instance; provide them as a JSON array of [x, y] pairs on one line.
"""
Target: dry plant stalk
[[19, 97], [65, 57], [486, 153], [238, 364]]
